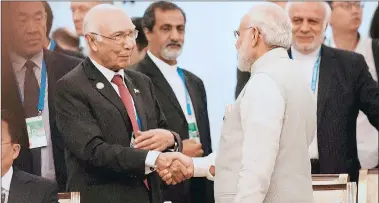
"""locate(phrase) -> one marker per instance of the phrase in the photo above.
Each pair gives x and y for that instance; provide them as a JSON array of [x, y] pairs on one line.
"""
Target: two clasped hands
[[172, 167]]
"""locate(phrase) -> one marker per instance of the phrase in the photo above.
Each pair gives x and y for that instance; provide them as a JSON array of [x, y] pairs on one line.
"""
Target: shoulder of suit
[[345, 55], [134, 74], [192, 76], [30, 178]]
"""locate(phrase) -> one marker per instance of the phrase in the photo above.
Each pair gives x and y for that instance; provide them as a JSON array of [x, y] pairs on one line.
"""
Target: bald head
[[94, 20]]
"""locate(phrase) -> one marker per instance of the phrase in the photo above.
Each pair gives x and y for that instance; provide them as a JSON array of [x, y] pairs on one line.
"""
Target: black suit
[[57, 65], [28, 188], [196, 190], [69, 53], [97, 130], [345, 87]]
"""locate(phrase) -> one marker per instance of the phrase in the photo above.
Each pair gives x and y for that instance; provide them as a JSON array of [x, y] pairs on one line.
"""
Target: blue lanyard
[[52, 45], [188, 99], [315, 73], [42, 89], [138, 121]]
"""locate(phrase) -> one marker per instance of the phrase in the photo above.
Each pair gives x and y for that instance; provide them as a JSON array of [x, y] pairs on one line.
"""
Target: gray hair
[[89, 22], [328, 10], [273, 23]]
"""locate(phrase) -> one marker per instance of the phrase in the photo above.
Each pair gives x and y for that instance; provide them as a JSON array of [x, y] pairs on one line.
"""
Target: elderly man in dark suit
[[30, 80], [111, 123], [181, 94], [18, 186]]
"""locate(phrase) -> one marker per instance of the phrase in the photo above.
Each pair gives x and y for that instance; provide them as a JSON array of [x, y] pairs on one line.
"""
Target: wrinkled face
[[28, 27], [79, 10], [246, 40], [167, 38], [9, 150], [308, 26], [115, 40], [346, 15]]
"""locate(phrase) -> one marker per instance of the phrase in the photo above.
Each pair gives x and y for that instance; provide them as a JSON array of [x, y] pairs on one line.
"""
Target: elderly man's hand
[[181, 169], [156, 139]]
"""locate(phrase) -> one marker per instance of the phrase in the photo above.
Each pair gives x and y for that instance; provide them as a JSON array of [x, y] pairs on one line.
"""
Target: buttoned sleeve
[[262, 112]]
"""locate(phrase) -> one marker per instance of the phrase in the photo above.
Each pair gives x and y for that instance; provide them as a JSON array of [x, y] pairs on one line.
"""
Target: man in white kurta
[[263, 152]]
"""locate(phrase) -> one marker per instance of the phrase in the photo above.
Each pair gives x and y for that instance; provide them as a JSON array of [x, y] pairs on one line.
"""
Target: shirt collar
[[269, 57], [6, 179], [300, 56], [163, 66], [19, 61], [330, 42], [108, 73]]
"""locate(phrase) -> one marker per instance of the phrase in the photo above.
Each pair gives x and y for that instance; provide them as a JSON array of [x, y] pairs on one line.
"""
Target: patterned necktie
[[126, 98], [31, 91]]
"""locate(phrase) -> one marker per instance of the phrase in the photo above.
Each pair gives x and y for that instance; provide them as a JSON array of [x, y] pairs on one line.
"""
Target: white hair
[[273, 23], [327, 9], [90, 23]]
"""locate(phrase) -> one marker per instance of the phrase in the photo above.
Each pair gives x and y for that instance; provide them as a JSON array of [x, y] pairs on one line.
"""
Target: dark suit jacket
[[28, 188], [200, 189], [69, 53], [97, 130], [57, 65], [345, 87]]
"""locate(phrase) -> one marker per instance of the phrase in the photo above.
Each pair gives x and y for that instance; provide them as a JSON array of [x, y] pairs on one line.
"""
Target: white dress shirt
[[18, 62], [309, 62], [6, 182], [367, 135], [109, 74], [171, 75], [202, 165]]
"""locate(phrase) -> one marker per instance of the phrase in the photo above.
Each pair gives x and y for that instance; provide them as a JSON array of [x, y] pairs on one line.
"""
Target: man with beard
[[344, 87], [266, 133], [180, 93]]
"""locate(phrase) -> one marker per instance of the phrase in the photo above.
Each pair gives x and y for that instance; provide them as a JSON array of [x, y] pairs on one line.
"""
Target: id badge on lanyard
[[193, 132], [34, 125]]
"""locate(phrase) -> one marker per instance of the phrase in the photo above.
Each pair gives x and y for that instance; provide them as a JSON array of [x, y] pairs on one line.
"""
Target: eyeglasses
[[350, 5], [237, 33], [120, 37], [4, 143]]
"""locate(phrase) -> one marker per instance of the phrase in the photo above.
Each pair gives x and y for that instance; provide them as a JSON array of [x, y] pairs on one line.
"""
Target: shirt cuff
[[150, 161], [201, 167]]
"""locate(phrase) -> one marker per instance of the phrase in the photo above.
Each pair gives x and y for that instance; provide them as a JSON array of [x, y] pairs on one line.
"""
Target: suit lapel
[[138, 101], [326, 75], [193, 95], [104, 87], [17, 192], [160, 81]]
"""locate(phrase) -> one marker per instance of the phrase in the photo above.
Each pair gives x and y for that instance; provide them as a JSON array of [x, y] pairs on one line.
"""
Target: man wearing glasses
[[106, 113], [345, 21], [16, 184]]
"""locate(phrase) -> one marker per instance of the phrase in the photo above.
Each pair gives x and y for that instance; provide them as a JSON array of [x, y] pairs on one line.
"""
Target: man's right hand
[[192, 148]]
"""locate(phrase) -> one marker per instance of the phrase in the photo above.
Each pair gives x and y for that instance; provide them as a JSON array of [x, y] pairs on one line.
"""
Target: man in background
[[54, 45], [180, 93], [344, 86], [32, 77], [15, 183], [346, 18], [79, 10], [139, 51]]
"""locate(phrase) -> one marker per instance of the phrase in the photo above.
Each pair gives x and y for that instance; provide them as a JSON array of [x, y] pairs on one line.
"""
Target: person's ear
[[92, 42], [15, 150], [254, 37], [148, 34]]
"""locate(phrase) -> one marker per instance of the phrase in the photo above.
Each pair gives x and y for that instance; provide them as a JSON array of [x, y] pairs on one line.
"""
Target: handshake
[[174, 167]]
